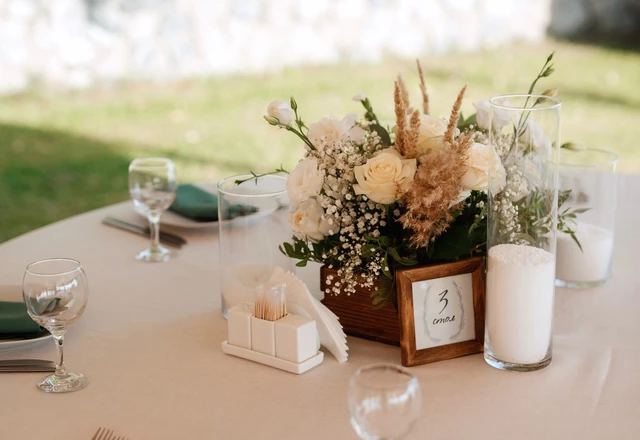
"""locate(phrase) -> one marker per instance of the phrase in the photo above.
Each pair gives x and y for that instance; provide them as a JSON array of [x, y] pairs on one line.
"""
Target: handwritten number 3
[[443, 297]]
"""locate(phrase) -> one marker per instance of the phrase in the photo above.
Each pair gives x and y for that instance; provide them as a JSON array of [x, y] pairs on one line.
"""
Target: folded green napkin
[[199, 205], [15, 319]]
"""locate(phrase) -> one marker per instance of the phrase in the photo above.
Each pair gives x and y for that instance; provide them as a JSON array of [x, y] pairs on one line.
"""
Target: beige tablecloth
[[149, 342]]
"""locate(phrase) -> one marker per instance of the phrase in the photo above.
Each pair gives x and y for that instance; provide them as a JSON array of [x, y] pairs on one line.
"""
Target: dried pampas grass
[[436, 185], [400, 108], [423, 90]]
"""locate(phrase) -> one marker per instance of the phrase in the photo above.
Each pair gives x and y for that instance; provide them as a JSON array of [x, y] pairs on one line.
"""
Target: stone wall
[[77, 43]]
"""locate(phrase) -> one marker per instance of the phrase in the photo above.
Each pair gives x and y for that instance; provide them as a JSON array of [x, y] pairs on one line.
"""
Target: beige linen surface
[[149, 342]]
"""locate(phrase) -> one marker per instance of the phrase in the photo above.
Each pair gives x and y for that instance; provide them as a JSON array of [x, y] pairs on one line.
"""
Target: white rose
[[384, 177], [432, 132], [535, 136], [328, 130], [307, 221], [356, 134], [482, 114], [360, 97], [325, 131], [501, 117], [281, 111], [305, 181], [481, 162], [462, 196]]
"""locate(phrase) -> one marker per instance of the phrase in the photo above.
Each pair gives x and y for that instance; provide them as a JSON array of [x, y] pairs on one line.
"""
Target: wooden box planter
[[358, 316]]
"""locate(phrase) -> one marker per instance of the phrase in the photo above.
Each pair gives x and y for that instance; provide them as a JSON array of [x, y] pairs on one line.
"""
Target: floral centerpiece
[[368, 199]]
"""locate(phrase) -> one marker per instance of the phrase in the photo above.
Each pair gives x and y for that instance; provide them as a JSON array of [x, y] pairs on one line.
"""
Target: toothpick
[[270, 302]]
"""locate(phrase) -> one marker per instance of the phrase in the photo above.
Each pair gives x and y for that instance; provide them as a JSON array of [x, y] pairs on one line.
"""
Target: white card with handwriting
[[443, 311]]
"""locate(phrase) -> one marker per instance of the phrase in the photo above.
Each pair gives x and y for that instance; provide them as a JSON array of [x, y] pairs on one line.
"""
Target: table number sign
[[441, 311]]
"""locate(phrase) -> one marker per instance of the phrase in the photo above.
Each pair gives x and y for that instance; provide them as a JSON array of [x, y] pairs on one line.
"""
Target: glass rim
[[557, 102], [160, 162], [30, 266], [248, 175], [613, 158], [382, 366]]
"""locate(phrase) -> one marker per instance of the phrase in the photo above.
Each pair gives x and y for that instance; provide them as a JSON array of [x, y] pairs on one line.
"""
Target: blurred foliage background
[[66, 152]]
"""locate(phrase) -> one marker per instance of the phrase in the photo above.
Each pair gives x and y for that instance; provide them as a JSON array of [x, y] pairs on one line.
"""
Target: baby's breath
[[354, 216]]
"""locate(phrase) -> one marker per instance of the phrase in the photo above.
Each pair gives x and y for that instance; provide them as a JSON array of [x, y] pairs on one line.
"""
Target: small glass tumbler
[[588, 183], [524, 132], [253, 213], [384, 400]]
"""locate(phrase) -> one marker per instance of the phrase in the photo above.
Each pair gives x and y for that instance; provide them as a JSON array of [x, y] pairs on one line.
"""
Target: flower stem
[[257, 176], [300, 135]]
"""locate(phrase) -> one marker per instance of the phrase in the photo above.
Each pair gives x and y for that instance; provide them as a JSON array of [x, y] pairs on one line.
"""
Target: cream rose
[[307, 221], [281, 111], [305, 181], [481, 162], [501, 116], [432, 132], [384, 177]]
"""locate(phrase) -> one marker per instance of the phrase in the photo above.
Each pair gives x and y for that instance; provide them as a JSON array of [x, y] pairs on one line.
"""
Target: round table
[[149, 342]]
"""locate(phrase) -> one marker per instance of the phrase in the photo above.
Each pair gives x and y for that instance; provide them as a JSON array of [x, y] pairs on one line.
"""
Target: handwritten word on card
[[443, 311]]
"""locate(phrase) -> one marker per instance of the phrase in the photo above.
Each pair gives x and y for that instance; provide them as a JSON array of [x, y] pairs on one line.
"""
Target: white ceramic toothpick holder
[[290, 343]]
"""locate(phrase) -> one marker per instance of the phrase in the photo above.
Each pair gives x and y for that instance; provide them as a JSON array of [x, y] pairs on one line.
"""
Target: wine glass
[[55, 292], [152, 186], [384, 401]]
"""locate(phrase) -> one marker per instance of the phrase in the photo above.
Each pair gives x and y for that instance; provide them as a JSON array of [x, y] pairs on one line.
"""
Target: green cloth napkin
[[199, 205], [15, 319]]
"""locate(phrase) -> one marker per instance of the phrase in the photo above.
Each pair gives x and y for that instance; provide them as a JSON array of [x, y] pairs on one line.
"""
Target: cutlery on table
[[165, 237], [5, 362], [26, 366], [106, 434]]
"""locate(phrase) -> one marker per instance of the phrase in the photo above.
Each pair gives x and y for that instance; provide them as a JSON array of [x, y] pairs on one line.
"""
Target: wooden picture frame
[[426, 342]]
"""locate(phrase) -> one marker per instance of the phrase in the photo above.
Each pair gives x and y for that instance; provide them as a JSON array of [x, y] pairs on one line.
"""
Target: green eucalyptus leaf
[[386, 271], [384, 135], [385, 241], [454, 243], [402, 260], [367, 250]]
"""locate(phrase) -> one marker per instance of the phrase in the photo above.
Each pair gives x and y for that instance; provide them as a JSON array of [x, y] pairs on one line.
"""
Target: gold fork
[[106, 434]]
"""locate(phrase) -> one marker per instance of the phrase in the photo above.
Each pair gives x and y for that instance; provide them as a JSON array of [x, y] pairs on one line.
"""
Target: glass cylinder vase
[[253, 222], [587, 184], [524, 131]]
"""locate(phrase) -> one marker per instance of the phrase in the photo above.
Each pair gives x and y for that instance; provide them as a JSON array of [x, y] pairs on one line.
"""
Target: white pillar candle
[[589, 264], [520, 291]]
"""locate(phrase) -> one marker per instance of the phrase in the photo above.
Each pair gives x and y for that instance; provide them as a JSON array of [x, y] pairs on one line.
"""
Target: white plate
[[169, 218], [18, 344], [14, 293]]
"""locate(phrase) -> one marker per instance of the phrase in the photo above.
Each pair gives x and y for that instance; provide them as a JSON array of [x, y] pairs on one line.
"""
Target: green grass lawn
[[62, 153]]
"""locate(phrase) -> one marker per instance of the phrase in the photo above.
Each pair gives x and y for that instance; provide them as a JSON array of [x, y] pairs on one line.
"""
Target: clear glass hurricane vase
[[253, 214], [521, 243], [55, 292]]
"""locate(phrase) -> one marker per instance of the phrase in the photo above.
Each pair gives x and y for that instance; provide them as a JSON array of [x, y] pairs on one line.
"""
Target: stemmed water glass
[[153, 185], [55, 292], [384, 401]]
